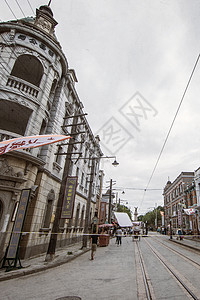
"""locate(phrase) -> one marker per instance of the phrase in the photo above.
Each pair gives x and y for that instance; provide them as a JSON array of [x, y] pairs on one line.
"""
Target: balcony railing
[[23, 86], [7, 135]]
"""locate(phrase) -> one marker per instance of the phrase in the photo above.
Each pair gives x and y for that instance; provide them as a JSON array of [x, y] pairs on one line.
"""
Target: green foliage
[[150, 217], [125, 209]]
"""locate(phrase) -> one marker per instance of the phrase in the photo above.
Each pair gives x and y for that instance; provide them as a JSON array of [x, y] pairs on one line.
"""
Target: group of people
[[94, 241]]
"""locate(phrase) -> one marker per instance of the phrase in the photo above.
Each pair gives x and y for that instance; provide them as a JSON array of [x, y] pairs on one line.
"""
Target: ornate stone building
[[38, 96], [175, 200]]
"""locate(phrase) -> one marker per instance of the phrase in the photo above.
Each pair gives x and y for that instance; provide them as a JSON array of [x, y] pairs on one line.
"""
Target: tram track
[[196, 264], [192, 292], [144, 273]]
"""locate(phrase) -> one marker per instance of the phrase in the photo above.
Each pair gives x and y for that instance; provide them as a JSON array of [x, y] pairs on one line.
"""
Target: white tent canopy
[[123, 219]]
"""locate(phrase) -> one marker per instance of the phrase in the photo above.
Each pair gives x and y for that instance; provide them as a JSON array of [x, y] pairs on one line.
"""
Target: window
[[77, 215], [48, 209], [9, 117], [51, 94], [28, 68], [86, 183], [82, 178], [77, 173], [59, 157], [82, 216]]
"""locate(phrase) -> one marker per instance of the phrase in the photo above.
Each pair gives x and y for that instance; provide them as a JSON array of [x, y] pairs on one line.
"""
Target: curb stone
[[7, 276]]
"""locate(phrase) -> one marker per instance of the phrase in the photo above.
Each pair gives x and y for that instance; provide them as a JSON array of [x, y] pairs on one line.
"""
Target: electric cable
[[20, 8], [10, 9], [170, 129], [31, 7]]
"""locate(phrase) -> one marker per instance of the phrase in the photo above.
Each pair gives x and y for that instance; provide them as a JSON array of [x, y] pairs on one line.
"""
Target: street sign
[[68, 201], [179, 218], [11, 256]]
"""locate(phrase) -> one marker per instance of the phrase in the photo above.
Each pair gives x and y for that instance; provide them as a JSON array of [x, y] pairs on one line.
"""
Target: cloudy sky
[[133, 60]]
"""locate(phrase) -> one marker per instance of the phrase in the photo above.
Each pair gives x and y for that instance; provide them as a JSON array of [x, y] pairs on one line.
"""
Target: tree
[[150, 217], [125, 209]]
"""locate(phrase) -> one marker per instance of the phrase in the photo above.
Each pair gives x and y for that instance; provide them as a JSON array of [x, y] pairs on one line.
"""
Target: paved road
[[110, 276], [115, 274]]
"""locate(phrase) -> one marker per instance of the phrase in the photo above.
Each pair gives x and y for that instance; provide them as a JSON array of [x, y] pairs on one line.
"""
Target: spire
[[44, 19]]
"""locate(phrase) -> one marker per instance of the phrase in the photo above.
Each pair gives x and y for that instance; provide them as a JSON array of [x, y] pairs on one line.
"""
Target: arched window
[[28, 68], [51, 94], [48, 209]]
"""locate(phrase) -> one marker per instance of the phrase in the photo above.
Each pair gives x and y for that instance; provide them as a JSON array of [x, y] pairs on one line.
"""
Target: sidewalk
[[38, 264], [188, 242]]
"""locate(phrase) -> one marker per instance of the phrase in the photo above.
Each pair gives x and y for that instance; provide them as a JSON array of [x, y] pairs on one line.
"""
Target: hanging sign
[[69, 197], [30, 142], [18, 225], [190, 211], [179, 218]]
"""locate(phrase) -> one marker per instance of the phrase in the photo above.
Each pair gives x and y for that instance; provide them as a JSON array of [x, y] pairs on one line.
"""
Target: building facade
[[176, 199], [38, 96]]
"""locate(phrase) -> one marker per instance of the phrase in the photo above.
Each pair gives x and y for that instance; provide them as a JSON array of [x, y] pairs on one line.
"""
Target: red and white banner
[[190, 211], [30, 142]]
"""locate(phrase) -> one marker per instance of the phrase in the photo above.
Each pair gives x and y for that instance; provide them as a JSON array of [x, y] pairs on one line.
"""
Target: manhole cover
[[69, 298]]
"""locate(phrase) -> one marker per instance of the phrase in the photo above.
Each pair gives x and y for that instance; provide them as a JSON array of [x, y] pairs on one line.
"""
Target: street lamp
[[170, 227], [115, 163], [86, 225]]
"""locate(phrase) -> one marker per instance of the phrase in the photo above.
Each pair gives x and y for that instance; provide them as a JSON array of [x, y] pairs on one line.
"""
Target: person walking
[[93, 244], [119, 236]]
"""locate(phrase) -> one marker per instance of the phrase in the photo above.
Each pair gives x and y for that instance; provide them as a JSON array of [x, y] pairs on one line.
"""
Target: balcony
[[7, 135], [23, 86]]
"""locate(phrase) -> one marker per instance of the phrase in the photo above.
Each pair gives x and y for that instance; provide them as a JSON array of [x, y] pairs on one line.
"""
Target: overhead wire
[[170, 129], [10, 9], [30, 6], [20, 8]]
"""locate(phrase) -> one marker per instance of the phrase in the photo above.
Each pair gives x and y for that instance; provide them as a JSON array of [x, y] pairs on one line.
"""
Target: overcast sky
[[133, 59]]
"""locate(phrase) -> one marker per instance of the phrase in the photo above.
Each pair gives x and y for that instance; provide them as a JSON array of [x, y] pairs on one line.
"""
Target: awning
[[123, 219]]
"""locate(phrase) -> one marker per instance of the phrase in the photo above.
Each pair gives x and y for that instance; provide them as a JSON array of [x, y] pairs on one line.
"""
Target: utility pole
[[110, 202], [55, 229], [156, 219], [87, 213], [99, 203]]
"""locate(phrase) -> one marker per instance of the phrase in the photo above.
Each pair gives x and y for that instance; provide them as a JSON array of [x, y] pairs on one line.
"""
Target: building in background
[[104, 211], [197, 206], [38, 96], [176, 200]]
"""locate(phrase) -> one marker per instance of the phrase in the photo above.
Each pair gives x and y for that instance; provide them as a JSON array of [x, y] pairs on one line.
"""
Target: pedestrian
[[93, 244], [119, 236], [180, 234]]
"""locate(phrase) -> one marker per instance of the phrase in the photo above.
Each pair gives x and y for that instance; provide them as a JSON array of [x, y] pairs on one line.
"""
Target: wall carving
[[19, 101], [5, 169]]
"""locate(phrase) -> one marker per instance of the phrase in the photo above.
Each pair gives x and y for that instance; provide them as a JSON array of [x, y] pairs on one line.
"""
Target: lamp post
[[110, 202], [156, 219], [170, 228], [87, 214], [99, 202]]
